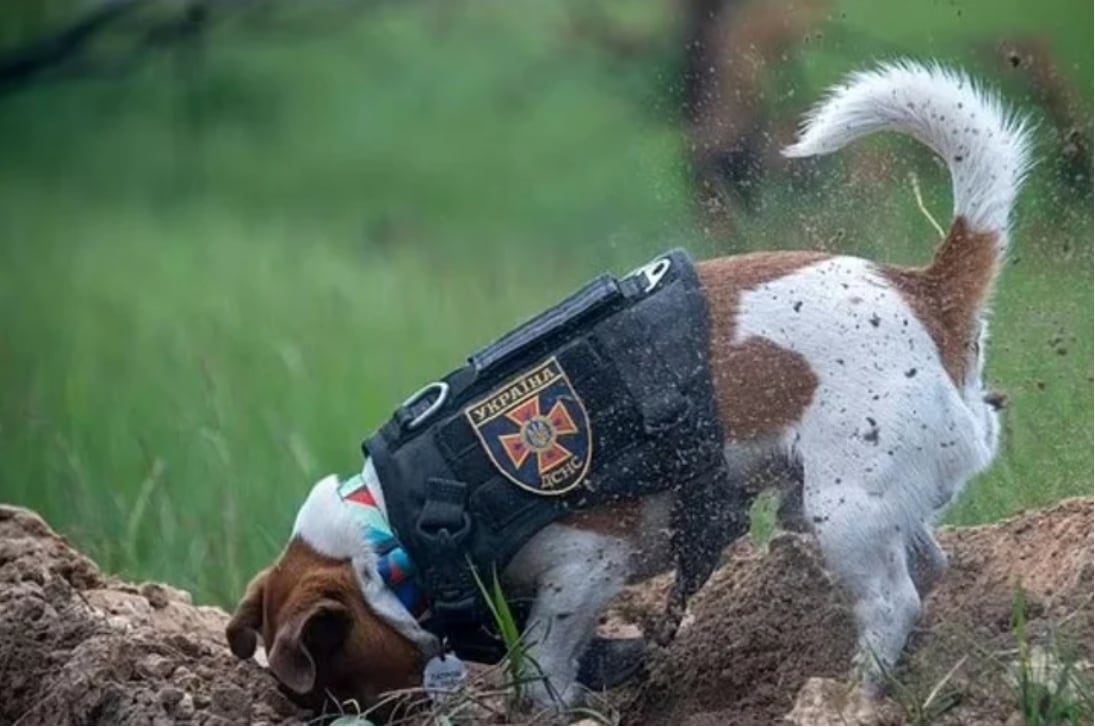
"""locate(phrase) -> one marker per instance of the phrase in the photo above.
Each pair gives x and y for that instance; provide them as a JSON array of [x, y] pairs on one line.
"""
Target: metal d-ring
[[654, 272], [442, 394]]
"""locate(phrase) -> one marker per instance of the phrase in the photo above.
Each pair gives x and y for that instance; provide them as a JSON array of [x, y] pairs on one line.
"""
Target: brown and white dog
[[866, 377]]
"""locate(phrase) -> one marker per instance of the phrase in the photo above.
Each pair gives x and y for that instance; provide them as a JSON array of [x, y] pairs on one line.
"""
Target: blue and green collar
[[393, 564]]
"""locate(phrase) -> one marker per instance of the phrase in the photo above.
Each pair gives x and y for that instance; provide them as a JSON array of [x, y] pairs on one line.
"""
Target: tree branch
[[31, 60]]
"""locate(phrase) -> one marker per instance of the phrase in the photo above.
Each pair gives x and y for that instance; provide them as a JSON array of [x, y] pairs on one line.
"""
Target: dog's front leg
[[576, 573]]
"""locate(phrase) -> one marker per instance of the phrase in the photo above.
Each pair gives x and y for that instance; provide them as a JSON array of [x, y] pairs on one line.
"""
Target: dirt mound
[[80, 647], [771, 618], [768, 619]]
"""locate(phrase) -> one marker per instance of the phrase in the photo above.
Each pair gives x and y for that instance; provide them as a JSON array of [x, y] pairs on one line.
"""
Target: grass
[[1051, 686], [1031, 669], [517, 660], [216, 283]]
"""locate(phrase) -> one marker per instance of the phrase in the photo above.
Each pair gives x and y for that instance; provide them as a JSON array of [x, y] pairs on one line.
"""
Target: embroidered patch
[[535, 430]]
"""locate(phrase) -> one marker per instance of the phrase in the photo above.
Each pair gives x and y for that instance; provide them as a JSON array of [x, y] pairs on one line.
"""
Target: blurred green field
[[217, 280]]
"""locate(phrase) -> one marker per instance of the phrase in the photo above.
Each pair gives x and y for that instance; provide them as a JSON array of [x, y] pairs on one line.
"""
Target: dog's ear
[[311, 636], [246, 624]]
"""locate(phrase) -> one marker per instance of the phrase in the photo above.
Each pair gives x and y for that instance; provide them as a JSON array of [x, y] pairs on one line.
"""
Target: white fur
[[887, 441], [985, 148], [325, 524]]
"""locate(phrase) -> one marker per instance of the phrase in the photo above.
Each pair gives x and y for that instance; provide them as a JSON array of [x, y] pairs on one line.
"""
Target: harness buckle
[[442, 389]]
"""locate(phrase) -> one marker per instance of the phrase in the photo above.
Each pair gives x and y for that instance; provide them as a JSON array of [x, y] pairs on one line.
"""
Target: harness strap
[[443, 527]]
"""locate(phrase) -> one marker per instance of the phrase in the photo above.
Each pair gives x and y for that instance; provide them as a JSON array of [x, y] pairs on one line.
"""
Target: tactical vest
[[604, 398]]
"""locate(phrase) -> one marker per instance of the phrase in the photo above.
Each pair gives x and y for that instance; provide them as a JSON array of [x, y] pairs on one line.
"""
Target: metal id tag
[[443, 675]]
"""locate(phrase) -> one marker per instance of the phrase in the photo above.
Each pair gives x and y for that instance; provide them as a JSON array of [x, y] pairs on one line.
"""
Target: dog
[[866, 378]]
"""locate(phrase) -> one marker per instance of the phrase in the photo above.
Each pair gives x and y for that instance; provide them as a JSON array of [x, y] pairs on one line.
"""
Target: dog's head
[[330, 627], [321, 637]]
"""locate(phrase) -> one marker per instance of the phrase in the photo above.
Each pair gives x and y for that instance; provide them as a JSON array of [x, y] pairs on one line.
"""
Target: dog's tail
[[984, 146]]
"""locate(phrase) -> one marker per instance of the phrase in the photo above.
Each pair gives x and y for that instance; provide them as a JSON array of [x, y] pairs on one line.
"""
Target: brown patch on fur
[[761, 387], [373, 657], [948, 294], [619, 519]]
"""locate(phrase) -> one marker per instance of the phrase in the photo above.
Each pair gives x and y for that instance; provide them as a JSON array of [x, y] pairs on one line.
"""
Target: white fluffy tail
[[985, 146]]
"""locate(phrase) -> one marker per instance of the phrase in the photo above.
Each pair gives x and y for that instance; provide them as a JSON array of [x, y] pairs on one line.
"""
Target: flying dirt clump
[[767, 640], [78, 647]]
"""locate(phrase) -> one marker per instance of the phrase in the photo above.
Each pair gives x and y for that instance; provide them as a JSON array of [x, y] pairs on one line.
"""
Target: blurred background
[[234, 234]]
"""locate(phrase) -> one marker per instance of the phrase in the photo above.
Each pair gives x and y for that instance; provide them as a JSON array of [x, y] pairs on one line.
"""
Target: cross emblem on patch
[[535, 430]]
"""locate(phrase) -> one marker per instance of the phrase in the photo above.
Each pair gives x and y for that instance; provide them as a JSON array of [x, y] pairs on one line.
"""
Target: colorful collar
[[393, 563]]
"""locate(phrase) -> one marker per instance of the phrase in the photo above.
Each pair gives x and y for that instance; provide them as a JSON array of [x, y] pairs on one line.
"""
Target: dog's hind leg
[[865, 545], [927, 561]]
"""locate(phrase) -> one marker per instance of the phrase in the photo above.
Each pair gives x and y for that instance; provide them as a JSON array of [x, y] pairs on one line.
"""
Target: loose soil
[[771, 618], [78, 646]]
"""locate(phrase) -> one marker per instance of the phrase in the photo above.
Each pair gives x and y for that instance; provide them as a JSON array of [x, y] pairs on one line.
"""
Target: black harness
[[606, 397]]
